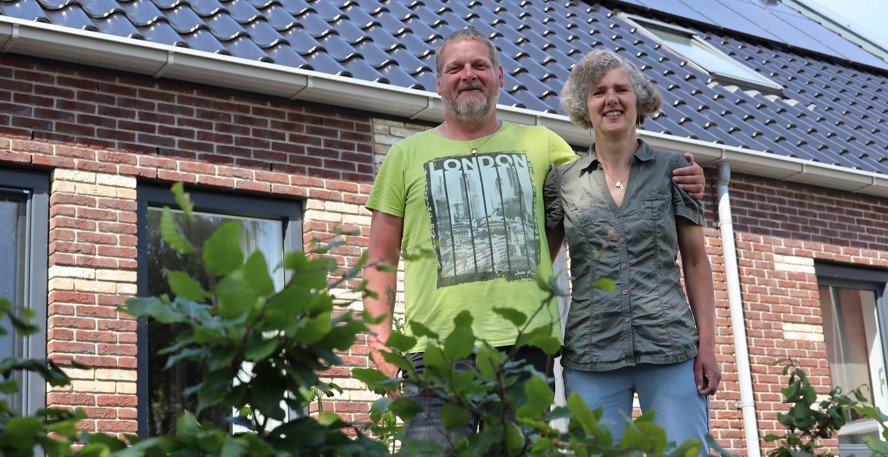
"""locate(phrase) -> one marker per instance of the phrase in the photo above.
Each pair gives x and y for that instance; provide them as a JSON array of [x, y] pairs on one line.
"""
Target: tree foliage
[[262, 350]]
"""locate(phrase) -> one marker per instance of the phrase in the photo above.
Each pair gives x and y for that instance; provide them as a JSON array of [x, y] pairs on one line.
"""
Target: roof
[[832, 110]]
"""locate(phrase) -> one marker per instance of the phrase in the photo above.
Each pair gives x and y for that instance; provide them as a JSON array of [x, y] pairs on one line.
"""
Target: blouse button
[[626, 320], [624, 266], [625, 291], [619, 215], [621, 241]]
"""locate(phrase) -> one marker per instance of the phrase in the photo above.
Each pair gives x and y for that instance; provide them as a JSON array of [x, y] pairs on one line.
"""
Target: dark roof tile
[[409, 62], [264, 34], [28, 10], [243, 11], [338, 48], [245, 48], [204, 40], [101, 9], [185, 20], [159, 31], [295, 7], [119, 25], [169, 4], [225, 27], [143, 13], [301, 41], [830, 111], [73, 16], [279, 18], [206, 8], [284, 54]]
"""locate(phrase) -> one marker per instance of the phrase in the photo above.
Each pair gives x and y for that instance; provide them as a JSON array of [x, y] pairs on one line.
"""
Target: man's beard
[[472, 112]]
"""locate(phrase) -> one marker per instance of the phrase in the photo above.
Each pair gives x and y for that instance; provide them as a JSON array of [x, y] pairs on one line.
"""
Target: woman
[[625, 220]]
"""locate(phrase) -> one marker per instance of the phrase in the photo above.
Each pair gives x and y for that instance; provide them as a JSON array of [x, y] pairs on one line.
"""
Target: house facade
[[99, 118]]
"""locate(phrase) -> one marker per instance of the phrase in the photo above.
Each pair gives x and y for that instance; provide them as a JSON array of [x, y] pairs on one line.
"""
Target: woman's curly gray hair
[[589, 70]]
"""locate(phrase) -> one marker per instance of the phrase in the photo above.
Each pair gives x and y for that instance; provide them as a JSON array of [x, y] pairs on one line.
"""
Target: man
[[470, 190]]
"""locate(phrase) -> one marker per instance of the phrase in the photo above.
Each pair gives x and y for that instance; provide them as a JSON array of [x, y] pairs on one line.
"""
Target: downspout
[[732, 277]]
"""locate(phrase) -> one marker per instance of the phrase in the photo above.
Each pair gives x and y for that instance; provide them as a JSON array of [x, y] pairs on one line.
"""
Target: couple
[[495, 200]]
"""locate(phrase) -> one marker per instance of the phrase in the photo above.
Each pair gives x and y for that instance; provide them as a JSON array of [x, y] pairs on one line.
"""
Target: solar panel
[[778, 23]]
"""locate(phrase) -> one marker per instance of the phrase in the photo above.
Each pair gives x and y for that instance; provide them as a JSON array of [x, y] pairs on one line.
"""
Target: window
[[853, 307], [719, 65], [24, 226], [272, 226]]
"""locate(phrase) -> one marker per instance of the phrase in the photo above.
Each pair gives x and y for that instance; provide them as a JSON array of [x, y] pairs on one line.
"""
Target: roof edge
[[106, 51]]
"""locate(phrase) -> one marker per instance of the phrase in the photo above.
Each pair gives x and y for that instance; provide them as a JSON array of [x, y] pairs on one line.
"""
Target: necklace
[[475, 149], [618, 182]]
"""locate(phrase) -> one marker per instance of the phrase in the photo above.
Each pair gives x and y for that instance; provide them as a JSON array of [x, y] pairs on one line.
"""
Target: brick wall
[[98, 134], [781, 230]]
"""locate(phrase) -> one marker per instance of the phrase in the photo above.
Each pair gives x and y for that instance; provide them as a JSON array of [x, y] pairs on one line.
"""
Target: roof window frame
[[651, 26]]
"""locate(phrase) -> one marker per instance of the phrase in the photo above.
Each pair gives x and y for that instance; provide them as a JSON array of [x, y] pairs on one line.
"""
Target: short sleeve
[[389, 189], [552, 198], [559, 151], [684, 205]]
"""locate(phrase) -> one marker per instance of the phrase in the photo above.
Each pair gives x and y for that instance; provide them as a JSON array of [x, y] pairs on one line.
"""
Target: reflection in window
[[165, 394], [23, 267], [13, 245], [853, 337], [273, 232]]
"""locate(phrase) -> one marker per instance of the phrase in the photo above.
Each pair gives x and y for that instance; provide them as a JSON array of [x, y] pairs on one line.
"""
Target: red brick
[[98, 361], [118, 400], [117, 426], [117, 349], [73, 399], [72, 297], [70, 347]]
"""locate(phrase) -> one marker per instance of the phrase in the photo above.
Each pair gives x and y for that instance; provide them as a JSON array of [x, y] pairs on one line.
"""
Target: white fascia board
[[768, 165], [72, 45], [137, 56]]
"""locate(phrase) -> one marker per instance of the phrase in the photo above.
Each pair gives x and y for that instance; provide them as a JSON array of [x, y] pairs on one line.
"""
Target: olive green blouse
[[646, 317]]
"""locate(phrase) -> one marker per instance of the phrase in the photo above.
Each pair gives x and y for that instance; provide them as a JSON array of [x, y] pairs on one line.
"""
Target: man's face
[[468, 83]]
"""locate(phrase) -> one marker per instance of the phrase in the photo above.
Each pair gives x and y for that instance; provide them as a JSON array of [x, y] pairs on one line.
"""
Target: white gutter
[[137, 56], [732, 277]]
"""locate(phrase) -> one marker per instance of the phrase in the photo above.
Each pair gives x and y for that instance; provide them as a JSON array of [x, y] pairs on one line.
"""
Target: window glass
[[165, 399], [720, 65], [12, 268], [23, 269], [270, 226]]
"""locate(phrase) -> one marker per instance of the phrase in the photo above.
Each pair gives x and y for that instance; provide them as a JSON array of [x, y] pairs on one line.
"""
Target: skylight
[[719, 65]]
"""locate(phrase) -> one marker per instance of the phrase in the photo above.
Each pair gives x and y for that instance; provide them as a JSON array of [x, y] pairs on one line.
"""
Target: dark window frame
[[219, 202], [32, 391], [861, 278]]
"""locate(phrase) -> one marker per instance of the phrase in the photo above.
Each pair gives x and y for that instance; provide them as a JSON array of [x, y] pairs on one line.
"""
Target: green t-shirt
[[482, 215]]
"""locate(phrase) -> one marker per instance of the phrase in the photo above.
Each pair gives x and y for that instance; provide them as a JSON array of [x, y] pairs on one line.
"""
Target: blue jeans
[[427, 424], [669, 390]]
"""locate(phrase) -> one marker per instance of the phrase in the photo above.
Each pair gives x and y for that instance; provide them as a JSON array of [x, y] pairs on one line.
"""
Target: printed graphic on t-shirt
[[482, 217]]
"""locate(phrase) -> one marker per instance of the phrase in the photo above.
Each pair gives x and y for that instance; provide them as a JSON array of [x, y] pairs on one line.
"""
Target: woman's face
[[612, 105]]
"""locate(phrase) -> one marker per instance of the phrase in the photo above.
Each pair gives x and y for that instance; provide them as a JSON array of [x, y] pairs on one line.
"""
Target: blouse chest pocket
[[653, 205], [589, 225]]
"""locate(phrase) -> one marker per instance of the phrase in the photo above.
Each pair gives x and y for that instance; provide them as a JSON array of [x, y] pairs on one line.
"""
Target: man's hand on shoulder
[[691, 178]]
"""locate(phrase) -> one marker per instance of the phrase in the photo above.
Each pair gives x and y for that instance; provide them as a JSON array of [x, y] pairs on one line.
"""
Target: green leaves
[[453, 416], [459, 344], [222, 252], [173, 234]]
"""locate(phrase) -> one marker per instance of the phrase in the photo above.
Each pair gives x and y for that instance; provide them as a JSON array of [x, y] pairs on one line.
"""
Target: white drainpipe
[[732, 276]]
